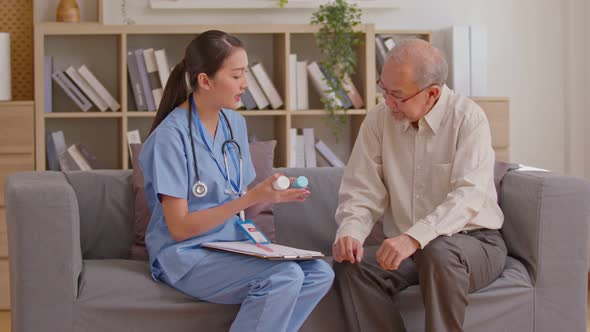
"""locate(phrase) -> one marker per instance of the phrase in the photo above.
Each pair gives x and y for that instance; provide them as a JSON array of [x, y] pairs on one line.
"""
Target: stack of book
[[383, 45], [343, 98], [76, 157], [148, 74], [81, 85], [303, 146], [261, 92]]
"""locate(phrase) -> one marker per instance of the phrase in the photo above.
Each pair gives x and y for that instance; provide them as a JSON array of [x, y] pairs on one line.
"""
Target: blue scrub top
[[168, 168]]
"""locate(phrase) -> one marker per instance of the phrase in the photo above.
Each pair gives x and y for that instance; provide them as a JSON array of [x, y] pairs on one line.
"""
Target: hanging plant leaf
[[336, 39]]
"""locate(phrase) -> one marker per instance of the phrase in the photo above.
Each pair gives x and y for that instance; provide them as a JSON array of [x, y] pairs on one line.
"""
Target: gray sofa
[[70, 233]]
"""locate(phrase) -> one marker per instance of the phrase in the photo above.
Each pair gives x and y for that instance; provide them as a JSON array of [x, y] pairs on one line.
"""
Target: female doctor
[[195, 178]]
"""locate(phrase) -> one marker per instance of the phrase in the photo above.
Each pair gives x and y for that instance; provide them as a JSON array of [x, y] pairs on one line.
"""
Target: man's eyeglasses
[[391, 94]]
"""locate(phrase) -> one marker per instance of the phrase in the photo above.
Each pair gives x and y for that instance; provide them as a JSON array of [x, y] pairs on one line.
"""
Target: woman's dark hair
[[204, 54]]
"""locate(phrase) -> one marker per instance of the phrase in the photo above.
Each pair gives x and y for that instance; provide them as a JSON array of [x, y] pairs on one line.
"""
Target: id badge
[[253, 232]]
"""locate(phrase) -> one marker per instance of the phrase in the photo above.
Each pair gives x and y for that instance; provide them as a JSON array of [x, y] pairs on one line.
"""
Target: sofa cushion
[[117, 295], [142, 211], [104, 198], [262, 154], [509, 297], [310, 224]]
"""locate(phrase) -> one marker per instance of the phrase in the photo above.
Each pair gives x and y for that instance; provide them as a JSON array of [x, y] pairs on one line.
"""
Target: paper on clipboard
[[276, 252]]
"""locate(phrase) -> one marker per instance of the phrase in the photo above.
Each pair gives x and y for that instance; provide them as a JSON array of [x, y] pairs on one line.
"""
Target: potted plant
[[336, 39]]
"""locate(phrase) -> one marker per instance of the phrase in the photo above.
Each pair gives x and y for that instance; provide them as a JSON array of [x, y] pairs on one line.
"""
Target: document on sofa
[[268, 251]]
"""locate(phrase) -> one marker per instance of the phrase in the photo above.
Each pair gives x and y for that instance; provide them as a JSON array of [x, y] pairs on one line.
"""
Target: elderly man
[[423, 160]]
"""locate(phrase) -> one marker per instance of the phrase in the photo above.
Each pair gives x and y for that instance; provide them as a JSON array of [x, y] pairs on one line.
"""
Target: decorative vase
[[5, 86], [68, 11]]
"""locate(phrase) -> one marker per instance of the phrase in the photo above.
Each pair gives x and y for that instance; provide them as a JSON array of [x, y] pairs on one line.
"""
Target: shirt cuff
[[352, 232], [422, 233]]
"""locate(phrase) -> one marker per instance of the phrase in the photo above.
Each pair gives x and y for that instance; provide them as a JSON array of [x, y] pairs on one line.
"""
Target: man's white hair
[[427, 62]]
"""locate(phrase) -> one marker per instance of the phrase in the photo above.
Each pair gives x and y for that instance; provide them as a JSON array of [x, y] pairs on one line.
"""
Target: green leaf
[[336, 40]]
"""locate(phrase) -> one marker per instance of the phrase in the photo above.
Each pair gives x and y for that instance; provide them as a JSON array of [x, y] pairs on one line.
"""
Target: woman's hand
[[264, 192]]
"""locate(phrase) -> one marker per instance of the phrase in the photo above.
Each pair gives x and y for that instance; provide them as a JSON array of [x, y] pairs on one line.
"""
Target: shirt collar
[[436, 114]]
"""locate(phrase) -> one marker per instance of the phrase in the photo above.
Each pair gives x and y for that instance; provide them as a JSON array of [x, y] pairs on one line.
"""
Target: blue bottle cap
[[301, 182]]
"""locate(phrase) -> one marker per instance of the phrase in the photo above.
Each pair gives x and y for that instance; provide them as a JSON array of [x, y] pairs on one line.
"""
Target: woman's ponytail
[[175, 93]]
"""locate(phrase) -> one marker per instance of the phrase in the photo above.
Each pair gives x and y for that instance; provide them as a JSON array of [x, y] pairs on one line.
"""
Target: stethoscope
[[200, 189]]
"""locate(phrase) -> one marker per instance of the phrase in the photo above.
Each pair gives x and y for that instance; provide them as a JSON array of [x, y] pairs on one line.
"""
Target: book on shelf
[[72, 91], [327, 153], [352, 93], [302, 86], [267, 85], [67, 162], [55, 147], [292, 81], [81, 162], [133, 137], [299, 150], [389, 43], [135, 82], [75, 76], [163, 67], [309, 147], [99, 88], [88, 156], [292, 147], [248, 100], [151, 67], [143, 78], [380, 53], [319, 81], [259, 97], [340, 93], [47, 88]]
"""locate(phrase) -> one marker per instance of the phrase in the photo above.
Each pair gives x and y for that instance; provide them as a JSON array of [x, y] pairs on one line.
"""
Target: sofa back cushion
[[310, 224], [105, 202]]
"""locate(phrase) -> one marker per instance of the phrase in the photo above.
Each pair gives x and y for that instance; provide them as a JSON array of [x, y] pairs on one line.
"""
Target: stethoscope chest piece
[[199, 189]]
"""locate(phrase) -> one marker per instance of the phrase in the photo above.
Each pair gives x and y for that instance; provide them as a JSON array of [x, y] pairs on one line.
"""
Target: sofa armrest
[[546, 227], [44, 246]]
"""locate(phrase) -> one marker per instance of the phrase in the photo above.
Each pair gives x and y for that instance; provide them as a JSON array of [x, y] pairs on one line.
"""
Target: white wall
[[535, 53]]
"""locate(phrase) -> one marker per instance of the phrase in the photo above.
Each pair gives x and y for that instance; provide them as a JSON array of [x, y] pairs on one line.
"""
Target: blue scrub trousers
[[274, 295]]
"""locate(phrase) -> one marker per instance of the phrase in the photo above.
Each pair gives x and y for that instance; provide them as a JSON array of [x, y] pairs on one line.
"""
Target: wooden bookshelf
[[103, 48]]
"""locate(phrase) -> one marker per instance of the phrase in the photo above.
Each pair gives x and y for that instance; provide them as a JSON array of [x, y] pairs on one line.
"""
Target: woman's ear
[[203, 81]]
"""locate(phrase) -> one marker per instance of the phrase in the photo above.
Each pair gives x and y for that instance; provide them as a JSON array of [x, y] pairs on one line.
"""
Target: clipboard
[[270, 251]]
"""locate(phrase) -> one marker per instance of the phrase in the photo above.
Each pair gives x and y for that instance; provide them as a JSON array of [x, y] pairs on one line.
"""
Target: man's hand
[[394, 250], [349, 249]]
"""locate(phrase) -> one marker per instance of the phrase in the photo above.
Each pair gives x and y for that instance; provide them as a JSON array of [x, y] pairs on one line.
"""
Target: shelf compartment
[[323, 131], [97, 52], [105, 146], [304, 45]]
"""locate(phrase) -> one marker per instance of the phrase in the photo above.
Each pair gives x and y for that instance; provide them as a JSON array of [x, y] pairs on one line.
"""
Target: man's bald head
[[427, 63]]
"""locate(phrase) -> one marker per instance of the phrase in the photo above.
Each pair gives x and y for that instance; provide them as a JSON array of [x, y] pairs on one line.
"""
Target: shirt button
[[417, 196]]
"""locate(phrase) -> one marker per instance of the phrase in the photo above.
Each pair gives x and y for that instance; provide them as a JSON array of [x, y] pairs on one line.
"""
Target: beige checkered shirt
[[426, 182]]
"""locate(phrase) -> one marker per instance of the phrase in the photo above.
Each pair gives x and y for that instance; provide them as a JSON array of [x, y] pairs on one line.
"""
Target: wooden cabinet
[[17, 154]]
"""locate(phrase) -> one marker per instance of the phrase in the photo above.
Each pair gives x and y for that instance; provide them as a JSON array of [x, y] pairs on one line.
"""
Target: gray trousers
[[447, 269]]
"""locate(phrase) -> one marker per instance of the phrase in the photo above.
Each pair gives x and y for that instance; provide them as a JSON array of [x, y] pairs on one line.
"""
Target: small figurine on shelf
[[68, 11]]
